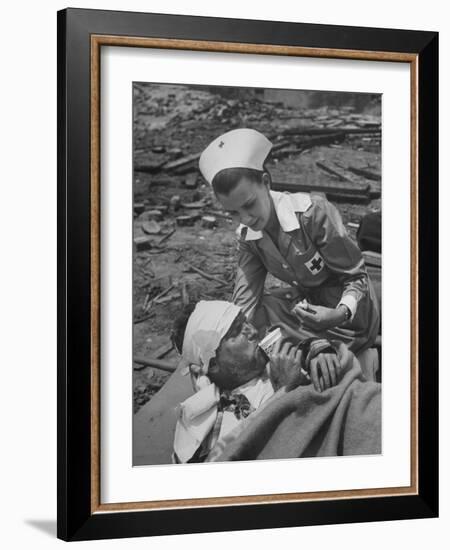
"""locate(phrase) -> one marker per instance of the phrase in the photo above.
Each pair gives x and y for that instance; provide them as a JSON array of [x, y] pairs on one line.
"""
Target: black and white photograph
[[257, 263]]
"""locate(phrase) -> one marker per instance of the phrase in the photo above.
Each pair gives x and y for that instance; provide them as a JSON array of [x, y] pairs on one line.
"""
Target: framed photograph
[[247, 286]]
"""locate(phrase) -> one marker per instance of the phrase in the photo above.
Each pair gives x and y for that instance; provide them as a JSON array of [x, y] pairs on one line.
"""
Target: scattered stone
[[191, 181], [150, 215], [209, 222], [151, 227], [175, 202], [142, 243]]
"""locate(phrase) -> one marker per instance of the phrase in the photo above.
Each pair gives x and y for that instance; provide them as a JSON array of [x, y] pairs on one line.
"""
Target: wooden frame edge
[[212, 46], [95, 274], [235, 47]]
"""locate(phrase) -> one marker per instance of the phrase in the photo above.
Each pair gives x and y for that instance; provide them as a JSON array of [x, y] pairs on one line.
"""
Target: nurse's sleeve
[[250, 278], [342, 256]]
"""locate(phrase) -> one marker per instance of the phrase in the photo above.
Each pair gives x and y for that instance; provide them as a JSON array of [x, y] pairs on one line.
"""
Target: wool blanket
[[343, 420]]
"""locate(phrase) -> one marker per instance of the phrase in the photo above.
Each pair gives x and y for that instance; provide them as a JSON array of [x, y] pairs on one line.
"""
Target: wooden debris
[[138, 207], [166, 299], [151, 227], [194, 205], [148, 303], [163, 350], [163, 208], [353, 195], [187, 220], [325, 139], [306, 187], [145, 318], [159, 149], [372, 258], [175, 153], [184, 294], [167, 366], [292, 145], [209, 222], [331, 171], [142, 243], [150, 168], [206, 275], [314, 131], [220, 214], [365, 173], [179, 163], [166, 237], [146, 299]]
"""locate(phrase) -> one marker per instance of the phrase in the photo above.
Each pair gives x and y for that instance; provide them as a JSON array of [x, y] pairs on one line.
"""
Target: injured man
[[269, 399]]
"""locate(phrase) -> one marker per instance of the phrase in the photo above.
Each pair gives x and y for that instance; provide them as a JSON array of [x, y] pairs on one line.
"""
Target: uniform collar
[[286, 206]]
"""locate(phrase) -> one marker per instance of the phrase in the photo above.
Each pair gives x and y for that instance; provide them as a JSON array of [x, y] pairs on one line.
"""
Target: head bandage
[[242, 148], [207, 325]]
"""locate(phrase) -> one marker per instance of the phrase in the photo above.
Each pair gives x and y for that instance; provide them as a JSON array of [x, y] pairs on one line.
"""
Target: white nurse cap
[[242, 148]]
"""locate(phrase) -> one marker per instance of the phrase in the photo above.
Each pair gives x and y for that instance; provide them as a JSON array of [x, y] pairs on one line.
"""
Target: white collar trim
[[286, 207]]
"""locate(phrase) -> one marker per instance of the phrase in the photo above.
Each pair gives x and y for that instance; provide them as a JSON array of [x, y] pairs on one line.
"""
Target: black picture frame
[[77, 517]]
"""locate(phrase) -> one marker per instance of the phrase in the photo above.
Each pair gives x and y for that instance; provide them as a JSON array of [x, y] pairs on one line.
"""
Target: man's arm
[[250, 277]]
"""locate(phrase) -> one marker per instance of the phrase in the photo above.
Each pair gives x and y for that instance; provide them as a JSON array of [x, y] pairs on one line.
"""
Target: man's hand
[[324, 371], [319, 318], [285, 360]]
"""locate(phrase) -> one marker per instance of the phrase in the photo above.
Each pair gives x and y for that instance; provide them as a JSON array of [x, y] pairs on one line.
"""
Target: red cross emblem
[[315, 264]]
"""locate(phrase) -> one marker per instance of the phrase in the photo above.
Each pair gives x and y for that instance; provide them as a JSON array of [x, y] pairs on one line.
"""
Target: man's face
[[250, 202], [239, 358]]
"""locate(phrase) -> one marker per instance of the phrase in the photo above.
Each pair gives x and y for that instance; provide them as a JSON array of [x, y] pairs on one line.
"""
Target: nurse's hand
[[317, 318]]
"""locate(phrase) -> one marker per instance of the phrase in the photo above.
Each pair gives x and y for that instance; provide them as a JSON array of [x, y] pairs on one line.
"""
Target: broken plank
[[163, 350], [165, 238], [153, 168], [184, 293], [307, 188], [206, 275], [312, 131], [329, 170], [325, 139], [176, 164], [365, 173]]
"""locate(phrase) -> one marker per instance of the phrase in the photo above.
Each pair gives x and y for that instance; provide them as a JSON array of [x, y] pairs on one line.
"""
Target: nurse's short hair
[[226, 180]]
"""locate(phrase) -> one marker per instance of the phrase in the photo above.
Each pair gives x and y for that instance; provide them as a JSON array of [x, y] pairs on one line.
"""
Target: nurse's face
[[249, 202]]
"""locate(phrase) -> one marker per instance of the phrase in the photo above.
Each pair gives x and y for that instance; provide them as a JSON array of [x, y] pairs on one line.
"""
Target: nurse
[[297, 237]]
